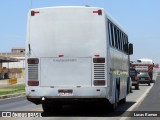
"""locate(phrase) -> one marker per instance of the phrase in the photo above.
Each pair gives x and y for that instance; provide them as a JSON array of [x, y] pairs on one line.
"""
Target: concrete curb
[[11, 95]]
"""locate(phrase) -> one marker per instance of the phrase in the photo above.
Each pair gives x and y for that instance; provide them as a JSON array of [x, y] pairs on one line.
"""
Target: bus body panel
[[119, 65], [68, 41], [65, 44], [66, 72], [62, 30], [78, 92]]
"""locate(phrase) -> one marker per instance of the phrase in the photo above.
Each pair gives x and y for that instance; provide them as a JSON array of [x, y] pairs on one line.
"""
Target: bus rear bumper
[[38, 94]]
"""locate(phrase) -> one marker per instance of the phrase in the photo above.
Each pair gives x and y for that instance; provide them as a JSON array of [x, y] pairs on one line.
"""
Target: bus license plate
[[67, 92]]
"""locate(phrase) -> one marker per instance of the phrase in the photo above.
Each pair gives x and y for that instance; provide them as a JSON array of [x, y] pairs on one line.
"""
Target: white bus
[[75, 54]]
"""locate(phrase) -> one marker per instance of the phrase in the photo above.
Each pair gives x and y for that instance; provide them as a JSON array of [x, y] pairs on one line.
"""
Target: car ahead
[[134, 77], [144, 78]]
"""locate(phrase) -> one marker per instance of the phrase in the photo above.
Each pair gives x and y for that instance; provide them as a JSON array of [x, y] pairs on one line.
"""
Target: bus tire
[[122, 101], [128, 86], [114, 105]]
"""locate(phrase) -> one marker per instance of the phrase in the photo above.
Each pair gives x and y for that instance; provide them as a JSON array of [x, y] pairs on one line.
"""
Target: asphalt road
[[152, 100], [150, 105], [84, 112]]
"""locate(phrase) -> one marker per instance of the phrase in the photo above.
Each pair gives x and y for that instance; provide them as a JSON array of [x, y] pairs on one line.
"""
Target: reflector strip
[[61, 56], [150, 67], [97, 55]]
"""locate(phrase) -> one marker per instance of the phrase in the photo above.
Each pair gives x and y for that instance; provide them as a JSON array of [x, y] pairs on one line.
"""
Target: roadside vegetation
[[12, 89]]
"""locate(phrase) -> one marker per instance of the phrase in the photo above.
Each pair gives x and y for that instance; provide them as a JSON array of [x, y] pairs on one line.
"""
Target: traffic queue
[[141, 72]]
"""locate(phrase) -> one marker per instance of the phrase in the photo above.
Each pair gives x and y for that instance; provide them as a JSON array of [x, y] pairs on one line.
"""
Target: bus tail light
[[34, 12], [99, 12], [33, 83], [60, 55], [99, 82], [136, 77], [98, 60], [33, 61], [97, 55]]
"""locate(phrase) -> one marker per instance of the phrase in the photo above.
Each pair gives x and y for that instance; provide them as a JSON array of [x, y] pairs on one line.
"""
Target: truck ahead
[[144, 67]]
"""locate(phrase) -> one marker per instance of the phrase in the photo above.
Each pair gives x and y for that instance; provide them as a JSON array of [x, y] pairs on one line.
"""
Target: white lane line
[[138, 102], [38, 109]]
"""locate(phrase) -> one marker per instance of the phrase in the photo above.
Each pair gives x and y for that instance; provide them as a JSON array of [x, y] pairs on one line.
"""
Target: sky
[[140, 18]]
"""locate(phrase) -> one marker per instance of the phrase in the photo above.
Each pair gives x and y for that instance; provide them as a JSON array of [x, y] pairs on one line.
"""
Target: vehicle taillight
[[33, 61], [98, 11], [98, 60], [99, 82], [34, 12], [33, 83], [136, 78], [97, 55], [60, 55], [148, 78]]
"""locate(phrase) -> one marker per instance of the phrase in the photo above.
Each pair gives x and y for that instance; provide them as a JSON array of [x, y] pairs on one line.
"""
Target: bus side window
[[112, 35], [109, 32]]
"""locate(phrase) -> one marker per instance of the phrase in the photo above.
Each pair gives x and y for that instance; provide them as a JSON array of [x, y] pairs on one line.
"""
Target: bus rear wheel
[[122, 101], [114, 105]]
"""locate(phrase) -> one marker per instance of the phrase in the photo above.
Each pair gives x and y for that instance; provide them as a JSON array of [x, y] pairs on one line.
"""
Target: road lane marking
[[37, 109], [138, 102]]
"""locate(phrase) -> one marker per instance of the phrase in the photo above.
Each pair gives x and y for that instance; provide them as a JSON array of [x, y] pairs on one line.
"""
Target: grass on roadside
[[12, 89]]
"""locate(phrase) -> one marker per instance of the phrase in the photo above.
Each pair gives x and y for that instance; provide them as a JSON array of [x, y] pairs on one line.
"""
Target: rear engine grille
[[99, 71], [33, 71]]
